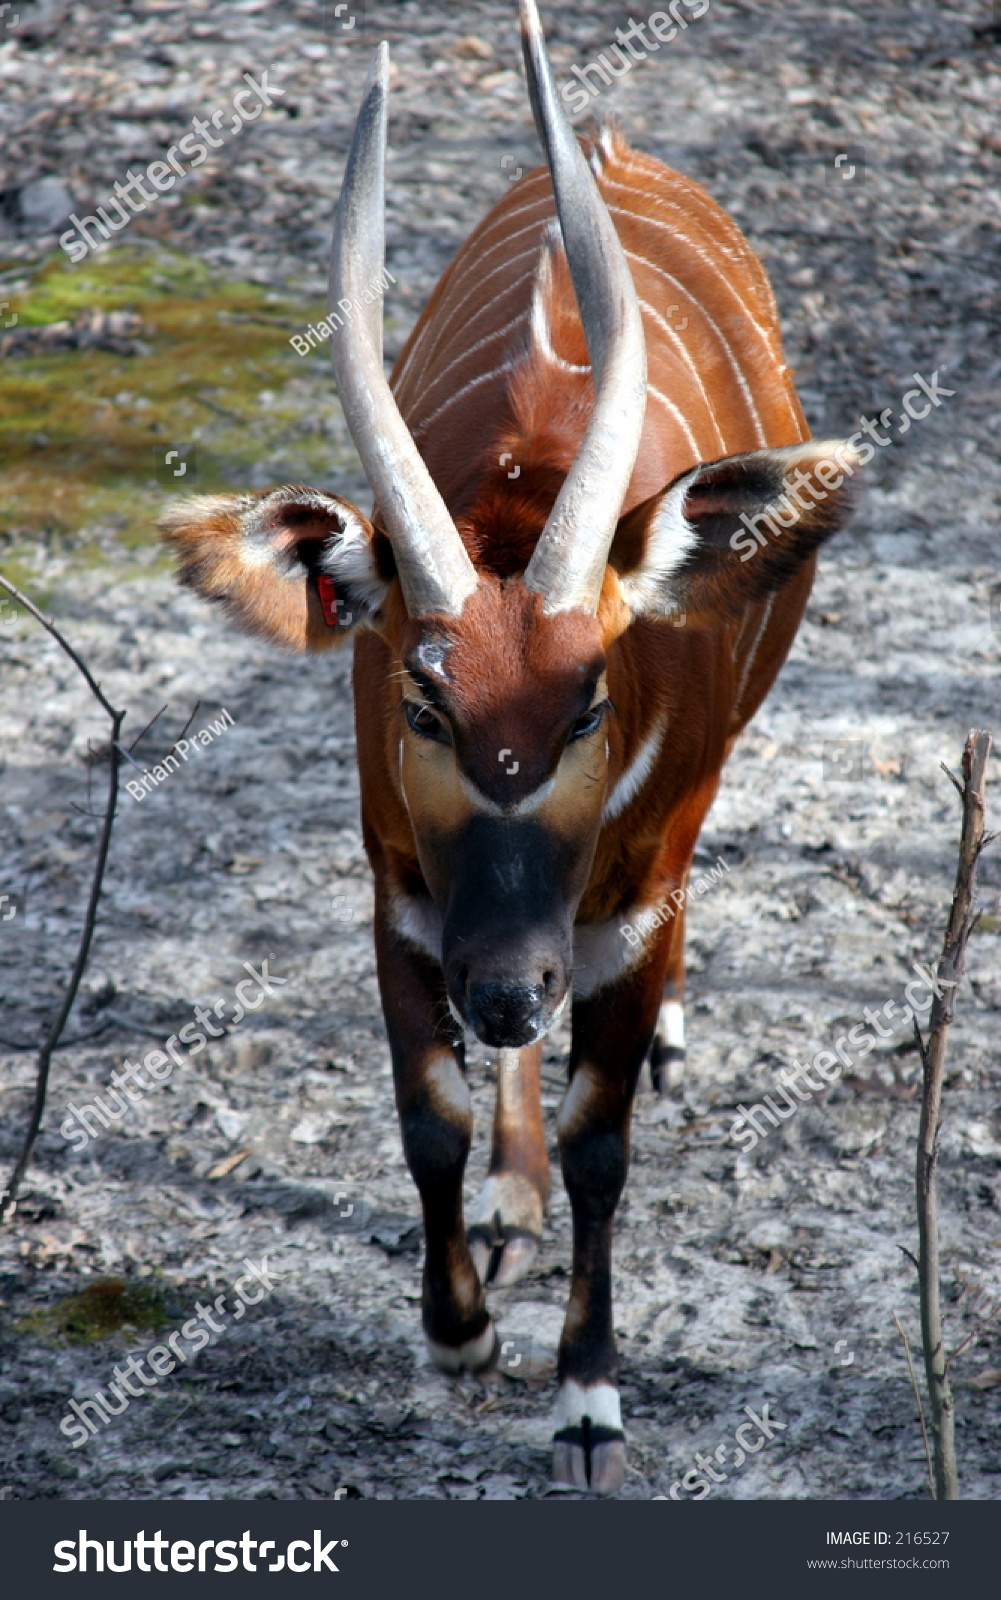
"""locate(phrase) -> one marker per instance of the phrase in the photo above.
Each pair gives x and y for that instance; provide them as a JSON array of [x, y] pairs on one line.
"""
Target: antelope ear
[[292, 565], [732, 532]]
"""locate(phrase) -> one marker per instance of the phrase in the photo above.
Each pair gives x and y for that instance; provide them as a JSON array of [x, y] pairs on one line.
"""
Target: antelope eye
[[590, 722], [424, 722]]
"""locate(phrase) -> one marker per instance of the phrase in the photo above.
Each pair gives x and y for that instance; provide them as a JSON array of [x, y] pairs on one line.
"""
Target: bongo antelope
[[551, 666]]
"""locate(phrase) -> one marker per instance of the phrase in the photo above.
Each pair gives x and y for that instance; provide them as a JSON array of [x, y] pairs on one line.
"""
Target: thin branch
[[130, 1025], [130, 759], [952, 778], [8, 1199], [109, 1019], [962, 921], [974, 1335], [144, 731], [77, 1038], [187, 725], [917, 1396], [22, 599]]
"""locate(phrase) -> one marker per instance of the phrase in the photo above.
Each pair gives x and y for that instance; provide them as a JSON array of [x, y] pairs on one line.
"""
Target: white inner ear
[[670, 540], [348, 557]]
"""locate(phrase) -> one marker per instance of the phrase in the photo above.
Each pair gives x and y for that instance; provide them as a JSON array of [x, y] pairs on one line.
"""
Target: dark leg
[[611, 1036], [432, 1099]]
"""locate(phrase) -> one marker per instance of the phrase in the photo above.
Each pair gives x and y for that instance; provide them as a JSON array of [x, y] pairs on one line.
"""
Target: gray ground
[[741, 1280]]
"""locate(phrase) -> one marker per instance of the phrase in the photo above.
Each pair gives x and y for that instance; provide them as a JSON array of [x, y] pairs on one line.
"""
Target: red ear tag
[[328, 599]]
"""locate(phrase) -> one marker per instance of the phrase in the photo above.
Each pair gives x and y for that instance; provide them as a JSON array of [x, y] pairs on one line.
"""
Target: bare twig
[[77, 1038], [974, 1335], [187, 725], [962, 920], [144, 731], [917, 1397], [140, 735], [8, 1198]]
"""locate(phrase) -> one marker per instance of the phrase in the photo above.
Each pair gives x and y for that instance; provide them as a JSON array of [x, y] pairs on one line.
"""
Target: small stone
[[44, 204]]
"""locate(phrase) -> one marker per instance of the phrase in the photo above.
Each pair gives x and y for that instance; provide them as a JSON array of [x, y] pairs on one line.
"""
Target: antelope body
[[596, 515]]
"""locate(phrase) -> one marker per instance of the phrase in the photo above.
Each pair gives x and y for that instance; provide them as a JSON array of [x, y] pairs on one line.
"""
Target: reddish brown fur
[[494, 380]]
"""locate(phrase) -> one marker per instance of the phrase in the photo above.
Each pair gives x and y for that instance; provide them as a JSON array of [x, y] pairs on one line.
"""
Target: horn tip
[[378, 72], [531, 25]]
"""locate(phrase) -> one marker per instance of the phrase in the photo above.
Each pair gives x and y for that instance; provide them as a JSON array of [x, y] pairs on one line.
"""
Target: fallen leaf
[[223, 1168], [472, 45], [242, 864]]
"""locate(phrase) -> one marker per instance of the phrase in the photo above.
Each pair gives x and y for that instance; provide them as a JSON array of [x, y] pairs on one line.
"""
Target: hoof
[[476, 1355], [590, 1459], [506, 1229], [589, 1446], [502, 1255]]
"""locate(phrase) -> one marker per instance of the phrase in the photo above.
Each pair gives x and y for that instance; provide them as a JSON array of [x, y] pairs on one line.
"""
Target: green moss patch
[[102, 1309], [84, 429]]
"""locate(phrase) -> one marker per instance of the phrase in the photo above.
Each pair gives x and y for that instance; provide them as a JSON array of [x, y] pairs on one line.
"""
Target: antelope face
[[503, 755]]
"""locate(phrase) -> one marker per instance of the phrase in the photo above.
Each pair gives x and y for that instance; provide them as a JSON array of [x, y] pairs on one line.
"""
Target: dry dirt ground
[[742, 1280]]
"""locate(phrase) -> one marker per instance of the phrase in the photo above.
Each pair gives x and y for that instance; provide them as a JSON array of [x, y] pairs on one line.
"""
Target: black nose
[[505, 1015]]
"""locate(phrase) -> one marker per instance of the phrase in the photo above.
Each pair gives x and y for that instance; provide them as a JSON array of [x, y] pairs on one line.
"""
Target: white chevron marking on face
[[521, 808]]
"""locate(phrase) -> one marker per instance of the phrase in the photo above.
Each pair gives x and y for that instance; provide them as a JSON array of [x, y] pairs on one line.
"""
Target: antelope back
[[497, 361]]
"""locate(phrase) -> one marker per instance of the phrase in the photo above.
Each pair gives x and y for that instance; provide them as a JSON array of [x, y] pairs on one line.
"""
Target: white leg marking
[[671, 1024], [599, 1402], [602, 953], [416, 920], [574, 1105], [448, 1088], [469, 1357]]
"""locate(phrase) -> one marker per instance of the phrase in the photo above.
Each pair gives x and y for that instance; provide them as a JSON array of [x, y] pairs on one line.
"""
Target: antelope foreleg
[[436, 1119], [612, 1032]]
